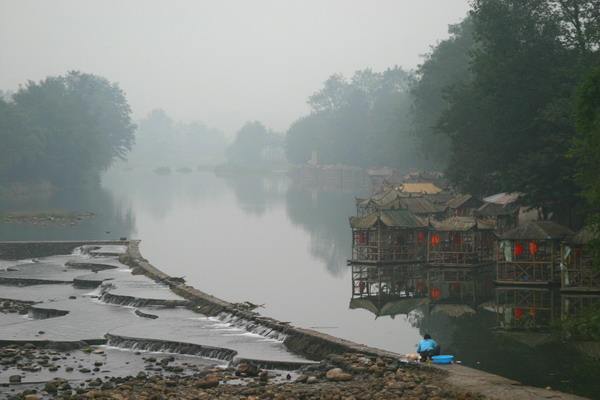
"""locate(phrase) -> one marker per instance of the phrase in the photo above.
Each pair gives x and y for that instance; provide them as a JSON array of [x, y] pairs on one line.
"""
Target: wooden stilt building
[[461, 242], [531, 254], [388, 237]]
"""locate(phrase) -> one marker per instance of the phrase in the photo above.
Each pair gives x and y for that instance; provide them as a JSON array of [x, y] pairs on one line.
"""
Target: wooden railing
[[524, 272], [581, 278]]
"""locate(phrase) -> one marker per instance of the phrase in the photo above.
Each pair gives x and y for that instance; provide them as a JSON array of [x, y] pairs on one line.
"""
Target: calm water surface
[[269, 241]]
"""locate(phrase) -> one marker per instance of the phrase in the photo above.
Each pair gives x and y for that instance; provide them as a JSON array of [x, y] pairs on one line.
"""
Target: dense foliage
[[362, 122], [64, 130], [508, 106], [446, 67]]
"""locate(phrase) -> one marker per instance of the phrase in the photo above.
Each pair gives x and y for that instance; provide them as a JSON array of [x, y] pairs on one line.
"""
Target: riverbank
[[348, 376], [316, 345], [371, 371]]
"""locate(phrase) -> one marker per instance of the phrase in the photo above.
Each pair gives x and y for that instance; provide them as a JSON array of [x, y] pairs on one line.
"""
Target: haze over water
[[269, 241]]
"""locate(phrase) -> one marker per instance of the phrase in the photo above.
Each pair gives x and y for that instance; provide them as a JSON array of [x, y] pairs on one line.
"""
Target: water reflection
[[323, 215], [113, 218], [509, 331], [160, 194], [255, 193]]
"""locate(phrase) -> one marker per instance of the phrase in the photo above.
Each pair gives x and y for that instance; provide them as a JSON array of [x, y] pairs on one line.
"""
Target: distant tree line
[[361, 122], [256, 145], [162, 142], [63, 130]]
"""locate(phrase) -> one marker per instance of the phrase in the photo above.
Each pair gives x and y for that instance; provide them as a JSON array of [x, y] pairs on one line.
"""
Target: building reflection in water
[[399, 289]]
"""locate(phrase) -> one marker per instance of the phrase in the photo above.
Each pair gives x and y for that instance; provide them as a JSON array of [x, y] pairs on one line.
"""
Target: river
[[283, 245]]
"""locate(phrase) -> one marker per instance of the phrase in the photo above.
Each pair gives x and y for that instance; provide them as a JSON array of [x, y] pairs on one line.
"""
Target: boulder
[[247, 370], [209, 382], [333, 374]]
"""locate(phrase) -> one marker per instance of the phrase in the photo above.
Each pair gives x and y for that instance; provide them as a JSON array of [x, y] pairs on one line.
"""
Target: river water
[[283, 245]]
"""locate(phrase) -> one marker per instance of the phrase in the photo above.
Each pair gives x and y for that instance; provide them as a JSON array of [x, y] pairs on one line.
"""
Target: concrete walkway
[[496, 387]]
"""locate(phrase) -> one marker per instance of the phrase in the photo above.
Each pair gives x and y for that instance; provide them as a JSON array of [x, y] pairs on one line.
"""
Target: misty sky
[[222, 62]]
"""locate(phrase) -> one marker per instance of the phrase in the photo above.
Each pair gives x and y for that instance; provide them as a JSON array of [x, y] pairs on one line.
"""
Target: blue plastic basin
[[442, 359]]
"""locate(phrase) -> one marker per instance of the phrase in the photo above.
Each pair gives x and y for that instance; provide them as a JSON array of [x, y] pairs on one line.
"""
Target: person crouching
[[428, 347]]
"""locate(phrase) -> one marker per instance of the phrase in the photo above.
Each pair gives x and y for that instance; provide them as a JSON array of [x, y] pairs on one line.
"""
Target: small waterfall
[[84, 250], [131, 301], [44, 313], [165, 346], [256, 327]]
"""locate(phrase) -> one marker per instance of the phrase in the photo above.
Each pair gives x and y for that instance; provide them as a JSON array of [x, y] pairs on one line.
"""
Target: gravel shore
[[348, 376]]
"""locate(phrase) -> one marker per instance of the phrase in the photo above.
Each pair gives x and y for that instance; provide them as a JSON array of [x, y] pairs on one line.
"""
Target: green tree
[[586, 148], [446, 66], [511, 125], [22, 144], [252, 144], [361, 122], [85, 123]]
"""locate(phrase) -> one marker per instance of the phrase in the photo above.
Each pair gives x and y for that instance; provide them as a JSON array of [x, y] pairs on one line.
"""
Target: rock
[[50, 387], [209, 382], [333, 374], [95, 382], [107, 386], [14, 379], [137, 271], [247, 370], [344, 377]]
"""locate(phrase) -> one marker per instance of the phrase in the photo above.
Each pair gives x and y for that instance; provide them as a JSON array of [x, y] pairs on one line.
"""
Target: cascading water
[[252, 326], [165, 346]]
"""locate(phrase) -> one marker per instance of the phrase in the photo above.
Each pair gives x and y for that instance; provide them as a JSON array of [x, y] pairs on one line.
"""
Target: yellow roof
[[423, 187]]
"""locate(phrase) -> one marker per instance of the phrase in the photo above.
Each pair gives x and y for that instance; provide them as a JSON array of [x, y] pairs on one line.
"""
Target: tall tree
[[446, 66], [251, 145], [86, 125], [361, 122], [586, 148], [511, 126]]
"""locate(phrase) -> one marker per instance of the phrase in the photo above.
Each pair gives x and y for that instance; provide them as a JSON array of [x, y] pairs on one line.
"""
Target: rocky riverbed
[[348, 376]]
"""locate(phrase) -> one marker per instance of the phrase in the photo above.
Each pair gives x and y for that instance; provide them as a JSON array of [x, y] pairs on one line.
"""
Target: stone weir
[[308, 343]]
